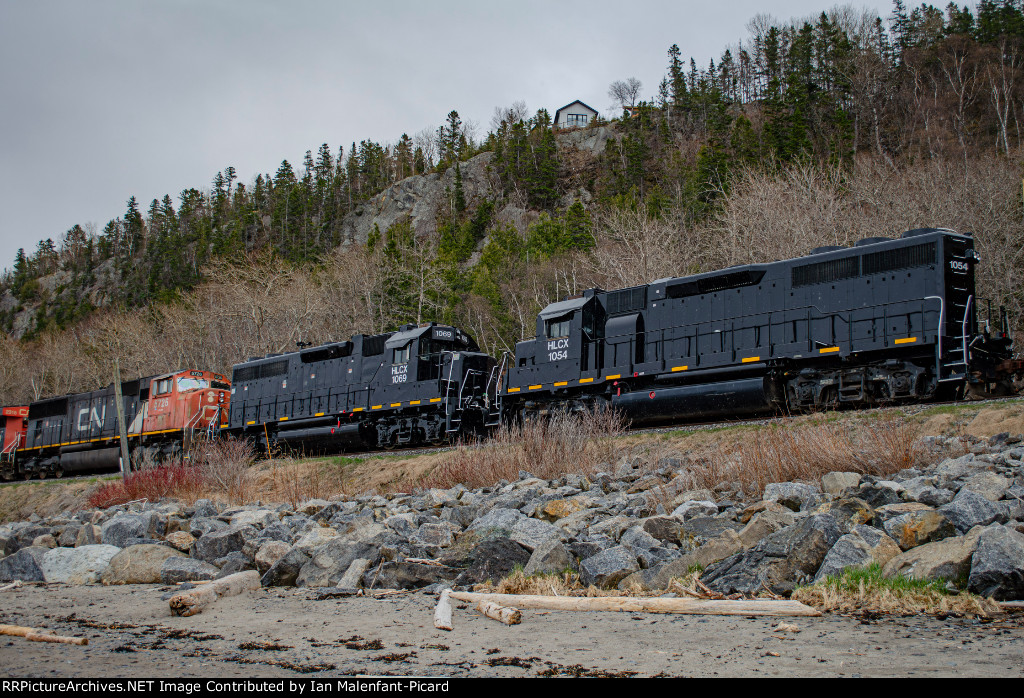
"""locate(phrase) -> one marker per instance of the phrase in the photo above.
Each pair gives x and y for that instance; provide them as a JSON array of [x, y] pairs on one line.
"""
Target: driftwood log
[[505, 614], [443, 611], [193, 601], [37, 635], [626, 604]]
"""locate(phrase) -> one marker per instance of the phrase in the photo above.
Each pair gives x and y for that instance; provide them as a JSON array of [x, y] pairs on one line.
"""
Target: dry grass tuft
[[295, 480], [548, 448], [867, 590], [790, 453]]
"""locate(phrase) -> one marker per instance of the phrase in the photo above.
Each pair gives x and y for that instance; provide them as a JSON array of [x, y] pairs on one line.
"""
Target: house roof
[[569, 105]]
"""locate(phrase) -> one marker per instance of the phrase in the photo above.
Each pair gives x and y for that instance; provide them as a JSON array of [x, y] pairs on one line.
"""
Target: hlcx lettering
[[558, 349], [87, 417], [400, 373]]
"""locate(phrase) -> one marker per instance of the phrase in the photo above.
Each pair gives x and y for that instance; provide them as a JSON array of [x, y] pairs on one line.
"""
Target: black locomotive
[[883, 321], [419, 385]]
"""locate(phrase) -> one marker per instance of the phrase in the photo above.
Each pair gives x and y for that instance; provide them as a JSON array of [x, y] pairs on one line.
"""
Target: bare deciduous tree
[[625, 92]]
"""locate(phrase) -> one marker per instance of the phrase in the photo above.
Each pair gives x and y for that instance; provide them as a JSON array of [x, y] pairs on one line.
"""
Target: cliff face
[[421, 199]]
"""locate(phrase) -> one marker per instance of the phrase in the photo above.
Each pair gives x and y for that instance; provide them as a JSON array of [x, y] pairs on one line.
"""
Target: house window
[[575, 119], [559, 327]]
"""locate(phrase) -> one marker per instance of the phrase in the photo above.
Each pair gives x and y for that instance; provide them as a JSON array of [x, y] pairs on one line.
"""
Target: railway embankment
[[946, 508]]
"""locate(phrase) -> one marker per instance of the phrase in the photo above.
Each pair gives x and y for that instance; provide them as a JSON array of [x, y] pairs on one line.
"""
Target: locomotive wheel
[[26, 475], [42, 474], [58, 473], [6, 476]]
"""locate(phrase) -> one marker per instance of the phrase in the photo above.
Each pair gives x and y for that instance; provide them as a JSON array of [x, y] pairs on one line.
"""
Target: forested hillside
[[805, 133]]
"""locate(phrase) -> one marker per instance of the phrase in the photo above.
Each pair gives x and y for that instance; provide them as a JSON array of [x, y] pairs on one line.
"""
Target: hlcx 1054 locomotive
[[884, 321]]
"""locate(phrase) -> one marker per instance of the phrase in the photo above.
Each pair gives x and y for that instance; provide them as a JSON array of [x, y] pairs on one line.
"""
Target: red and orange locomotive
[[163, 414]]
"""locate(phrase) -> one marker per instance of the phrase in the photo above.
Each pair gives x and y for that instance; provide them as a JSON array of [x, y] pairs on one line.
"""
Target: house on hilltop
[[574, 115]]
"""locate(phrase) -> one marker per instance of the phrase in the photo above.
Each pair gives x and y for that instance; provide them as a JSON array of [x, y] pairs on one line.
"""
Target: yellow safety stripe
[[906, 340], [828, 350], [561, 383], [676, 369], [751, 359]]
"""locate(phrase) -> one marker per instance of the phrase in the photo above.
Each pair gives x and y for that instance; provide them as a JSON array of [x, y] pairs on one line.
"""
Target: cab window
[[163, 386], [558, 327], [186, 383], [402, 355]]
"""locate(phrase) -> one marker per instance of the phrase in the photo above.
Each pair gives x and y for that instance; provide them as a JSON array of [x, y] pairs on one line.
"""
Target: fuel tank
[[731, 397]]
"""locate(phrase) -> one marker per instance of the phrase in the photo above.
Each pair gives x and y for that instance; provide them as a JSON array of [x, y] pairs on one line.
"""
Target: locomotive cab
[[185, 400]]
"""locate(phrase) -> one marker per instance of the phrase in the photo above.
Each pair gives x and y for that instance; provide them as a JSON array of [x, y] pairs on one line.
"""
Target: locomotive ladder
[[494, 406]]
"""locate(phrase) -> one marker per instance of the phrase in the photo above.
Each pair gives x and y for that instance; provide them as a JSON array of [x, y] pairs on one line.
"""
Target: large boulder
[[969, 509], [407, 575], [792, 495], [918, 527], [550, 557], [24, 565], [997, 567], [268, 553], [989, 485], [862, 546], [222, 542], [138, 564], [124, 527], [82, 565], [780, 561], [185, 569], [763, 525], [492, 560], [285, 571], [948, 559], [330, 562], [609, 567], [836, 483], [532, 533], [658, 576]]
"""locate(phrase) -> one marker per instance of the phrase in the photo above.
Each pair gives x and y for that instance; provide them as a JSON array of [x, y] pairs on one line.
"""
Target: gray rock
[[792, 495], [220, 543], [199, 526], [664, 528], [138, 564], [691, 509], [435, 534], [352, 579], [317, 536], [880, 493], [331, 561], [859, 548], [494, 559], [919, 527], [988, 484], [948, 559], [268, 553], [88, 534], [997, 566], [28, 533], [836, 482], [639, 539], [407, 575], [551, 557], [68, 536], [44, 541], [780, 561], [233, 562], [763, 525], [81, 565], [499, 518], [969, 509], [184, 569], [25, 565], [284, 572], [698, 531], [123, 527], [608, 568], [532, 533]]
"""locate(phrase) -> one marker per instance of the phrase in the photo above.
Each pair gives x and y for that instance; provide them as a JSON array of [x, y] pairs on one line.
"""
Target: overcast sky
[[107, 99]]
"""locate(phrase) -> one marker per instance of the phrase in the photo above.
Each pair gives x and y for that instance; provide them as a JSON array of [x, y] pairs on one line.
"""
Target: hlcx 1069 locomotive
[[419, 385], [884, 321]]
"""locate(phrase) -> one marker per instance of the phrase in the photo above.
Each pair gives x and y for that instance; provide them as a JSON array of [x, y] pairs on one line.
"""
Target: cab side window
[[558, 327], [402, 355]]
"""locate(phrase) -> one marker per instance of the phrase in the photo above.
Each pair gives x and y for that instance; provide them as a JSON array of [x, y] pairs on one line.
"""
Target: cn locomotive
[[163, 415], [884, 321]]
